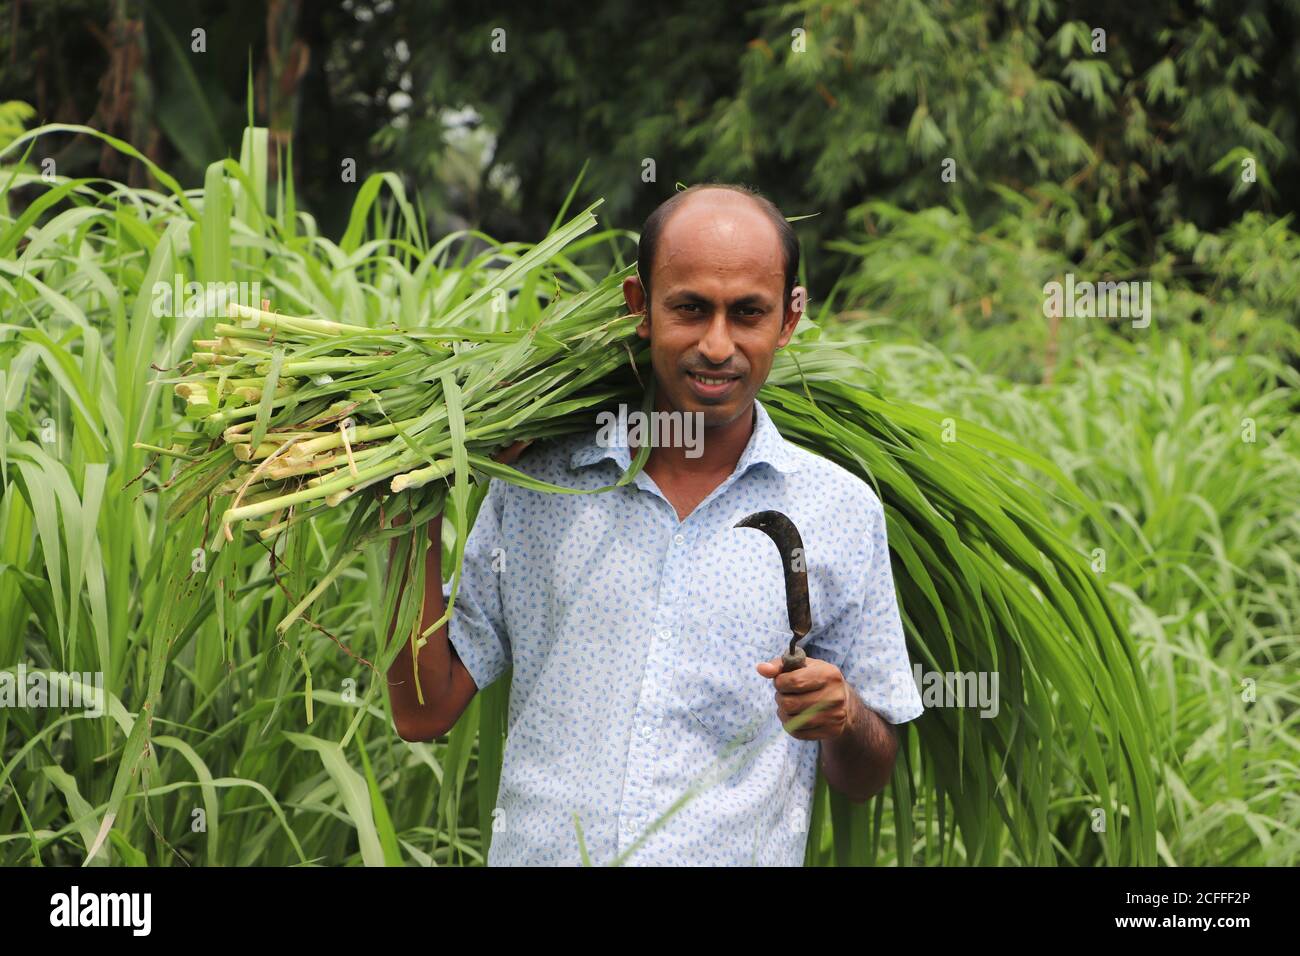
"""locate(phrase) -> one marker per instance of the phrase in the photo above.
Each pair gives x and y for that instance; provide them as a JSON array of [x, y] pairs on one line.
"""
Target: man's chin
[[723, 413], [715, 412]]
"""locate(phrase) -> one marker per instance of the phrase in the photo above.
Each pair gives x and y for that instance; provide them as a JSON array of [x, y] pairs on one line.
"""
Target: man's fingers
[[812, 676], [509, 453], [798, 703], [808, 721]]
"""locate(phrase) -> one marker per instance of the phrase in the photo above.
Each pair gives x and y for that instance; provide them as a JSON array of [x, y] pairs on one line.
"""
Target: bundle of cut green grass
[[307, 412], [457, 352], [297, 415]]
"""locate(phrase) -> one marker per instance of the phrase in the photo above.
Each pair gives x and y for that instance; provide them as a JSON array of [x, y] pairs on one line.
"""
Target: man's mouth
[[712, 386], [708, 380]]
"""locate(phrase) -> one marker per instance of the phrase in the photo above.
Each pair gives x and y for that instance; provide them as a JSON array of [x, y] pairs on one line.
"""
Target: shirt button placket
[[636, 793]]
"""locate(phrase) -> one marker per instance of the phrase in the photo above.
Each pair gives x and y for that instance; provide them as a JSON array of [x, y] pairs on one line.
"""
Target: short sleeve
[[477, 627], [867, 633]]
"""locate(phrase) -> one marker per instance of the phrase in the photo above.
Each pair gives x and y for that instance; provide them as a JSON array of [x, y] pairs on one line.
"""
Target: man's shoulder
[[831, 474], [840, 486], [552, 460]]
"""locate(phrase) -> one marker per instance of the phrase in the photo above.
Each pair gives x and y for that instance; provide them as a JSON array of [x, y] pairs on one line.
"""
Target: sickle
[[785, 535]]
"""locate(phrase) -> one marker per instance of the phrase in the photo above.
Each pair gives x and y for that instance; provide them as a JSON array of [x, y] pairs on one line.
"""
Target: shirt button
[[679, 539], [665, 634], [647, 730]]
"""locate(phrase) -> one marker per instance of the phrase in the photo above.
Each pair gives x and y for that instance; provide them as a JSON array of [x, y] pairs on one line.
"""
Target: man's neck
[[719, 450]]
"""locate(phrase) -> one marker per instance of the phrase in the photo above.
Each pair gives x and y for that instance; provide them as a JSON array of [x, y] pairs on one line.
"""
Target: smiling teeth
[[712, 381]]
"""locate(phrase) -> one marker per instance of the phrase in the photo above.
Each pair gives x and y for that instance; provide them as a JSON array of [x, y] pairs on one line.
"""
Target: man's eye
[[688, 305]]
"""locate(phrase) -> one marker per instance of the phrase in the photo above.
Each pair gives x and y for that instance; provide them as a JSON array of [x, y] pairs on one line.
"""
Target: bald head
[[716, 290], [717, 220]]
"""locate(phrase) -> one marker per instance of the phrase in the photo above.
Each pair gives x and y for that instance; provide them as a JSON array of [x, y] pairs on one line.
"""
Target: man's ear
[[635, 297], [793, 313]]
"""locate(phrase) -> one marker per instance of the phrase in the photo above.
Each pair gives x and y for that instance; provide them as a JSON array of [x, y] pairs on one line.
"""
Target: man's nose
[[716, 345]]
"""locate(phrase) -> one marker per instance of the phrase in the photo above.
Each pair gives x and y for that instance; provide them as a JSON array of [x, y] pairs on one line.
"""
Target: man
[[644, 629]]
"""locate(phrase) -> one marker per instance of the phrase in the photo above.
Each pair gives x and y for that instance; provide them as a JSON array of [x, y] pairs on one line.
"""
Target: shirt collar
[[766, 447]]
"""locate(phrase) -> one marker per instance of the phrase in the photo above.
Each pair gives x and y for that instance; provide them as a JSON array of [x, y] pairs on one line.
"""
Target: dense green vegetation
[[216, 634], [1195, 463], [1140, 479]]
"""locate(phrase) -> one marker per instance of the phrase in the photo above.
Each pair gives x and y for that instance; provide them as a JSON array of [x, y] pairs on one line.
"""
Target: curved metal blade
[[785, 535]]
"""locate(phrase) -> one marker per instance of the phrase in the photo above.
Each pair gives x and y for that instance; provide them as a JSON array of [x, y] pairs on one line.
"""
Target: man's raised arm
[[447, 685], [447, 681]]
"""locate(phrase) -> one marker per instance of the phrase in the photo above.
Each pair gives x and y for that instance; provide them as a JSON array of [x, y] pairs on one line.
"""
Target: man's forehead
[[719, 215], [724, 240]]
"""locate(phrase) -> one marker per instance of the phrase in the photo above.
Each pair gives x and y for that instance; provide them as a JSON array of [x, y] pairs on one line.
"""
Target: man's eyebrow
[[750, 299]]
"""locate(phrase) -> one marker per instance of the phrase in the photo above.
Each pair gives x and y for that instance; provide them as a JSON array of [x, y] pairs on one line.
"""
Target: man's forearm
[[413, 719], [859, 762]]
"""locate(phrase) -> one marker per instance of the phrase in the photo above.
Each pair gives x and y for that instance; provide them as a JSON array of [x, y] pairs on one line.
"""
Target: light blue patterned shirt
[[634, 638]]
